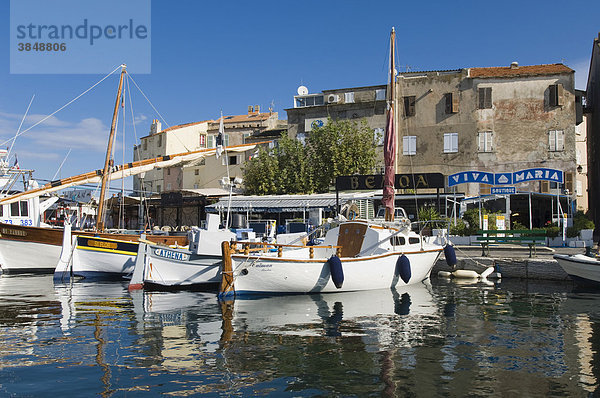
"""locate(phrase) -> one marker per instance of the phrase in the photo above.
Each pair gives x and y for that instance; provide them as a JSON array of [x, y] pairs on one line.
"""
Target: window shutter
[[552, 94], [569, 182], [454, 147], [579, 188], [413, 146], [552, 140], [545, 186], [454, 103], [481, 98], [481, 142], [560, 140], [488, 97], [447, 144], [490, 146], [448, 103], [409, 105], [560, 95]]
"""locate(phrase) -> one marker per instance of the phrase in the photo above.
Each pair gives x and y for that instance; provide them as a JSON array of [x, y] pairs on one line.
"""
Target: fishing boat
[[356, 255], [34, 246], [582, 268], [160, 267]]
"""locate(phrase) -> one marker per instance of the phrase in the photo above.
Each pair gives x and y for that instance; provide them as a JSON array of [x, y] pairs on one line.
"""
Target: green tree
[[339, 148]]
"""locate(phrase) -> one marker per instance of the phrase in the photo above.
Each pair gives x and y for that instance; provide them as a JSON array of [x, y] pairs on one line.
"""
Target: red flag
[[389, 156]]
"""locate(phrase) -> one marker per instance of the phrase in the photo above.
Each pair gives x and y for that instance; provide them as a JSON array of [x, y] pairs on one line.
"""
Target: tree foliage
[[338, 148]]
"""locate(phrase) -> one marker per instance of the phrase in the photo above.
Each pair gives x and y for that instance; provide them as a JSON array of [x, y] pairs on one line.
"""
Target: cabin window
[[485, 98], [412, 241], [397, 241], [24, 208], [1, 211], [556, 140], [409, 145], [450, 142], [409, 105]]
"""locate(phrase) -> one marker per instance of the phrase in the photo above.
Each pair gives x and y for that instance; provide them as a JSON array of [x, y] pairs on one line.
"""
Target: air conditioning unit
[[333, 99]]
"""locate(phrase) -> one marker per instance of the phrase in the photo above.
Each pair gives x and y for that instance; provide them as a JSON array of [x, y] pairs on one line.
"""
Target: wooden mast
[[390, 139], [107, 161]]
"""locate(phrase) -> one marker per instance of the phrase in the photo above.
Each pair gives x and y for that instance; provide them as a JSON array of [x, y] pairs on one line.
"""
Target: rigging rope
[[64, 106]]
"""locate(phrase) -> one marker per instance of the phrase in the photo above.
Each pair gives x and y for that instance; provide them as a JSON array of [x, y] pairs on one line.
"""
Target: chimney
[[514, 65], [250, 109], [256, 109], [155, 127]]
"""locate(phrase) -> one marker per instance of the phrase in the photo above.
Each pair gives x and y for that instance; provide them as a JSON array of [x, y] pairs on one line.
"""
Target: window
[[14, 209], [1, 211], [245, 136], [160, 140], [25, 208], [451, 103], [379, 136], [211, 141], [301, 137], [409, 145], [556, 95], [409, 105], [450, 142], [202, 141], [145, 145], [233, 160], [169, 186], [168, 172], [556, 140], [311, 100], [158, 188], [485, 98], [486, 141], [380, 94], [225, 139], [579, 188], [197, 172], [569, 182], [349, 97]]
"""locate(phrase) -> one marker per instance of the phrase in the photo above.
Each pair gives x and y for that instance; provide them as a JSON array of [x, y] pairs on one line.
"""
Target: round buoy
[[403, 267], [336, 271], [450, 255]]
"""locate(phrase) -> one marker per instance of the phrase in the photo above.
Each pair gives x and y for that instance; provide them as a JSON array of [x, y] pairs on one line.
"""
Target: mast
[[107, 161], [389, 148]]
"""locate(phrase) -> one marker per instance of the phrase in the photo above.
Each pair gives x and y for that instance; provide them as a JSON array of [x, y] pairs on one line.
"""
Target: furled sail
[[125, 170]]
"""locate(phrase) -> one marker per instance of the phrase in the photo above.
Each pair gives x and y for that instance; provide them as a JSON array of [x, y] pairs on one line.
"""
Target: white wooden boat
[[581, 268], [157, 266], [357, 255]]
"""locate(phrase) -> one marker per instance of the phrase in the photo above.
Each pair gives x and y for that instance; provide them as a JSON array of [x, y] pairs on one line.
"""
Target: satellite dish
[[302, 90]]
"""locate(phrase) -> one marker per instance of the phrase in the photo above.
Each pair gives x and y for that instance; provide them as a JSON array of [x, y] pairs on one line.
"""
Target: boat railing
[[247, 248]]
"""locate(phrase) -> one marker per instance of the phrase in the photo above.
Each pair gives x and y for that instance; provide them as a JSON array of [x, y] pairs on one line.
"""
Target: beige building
[[496, 119], [211, 171]]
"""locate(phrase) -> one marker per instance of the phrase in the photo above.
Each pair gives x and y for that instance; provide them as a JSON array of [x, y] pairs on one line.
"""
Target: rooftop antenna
[[272, 106]]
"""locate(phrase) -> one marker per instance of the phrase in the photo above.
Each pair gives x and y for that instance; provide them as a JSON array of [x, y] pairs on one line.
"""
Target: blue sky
[[212, 56]]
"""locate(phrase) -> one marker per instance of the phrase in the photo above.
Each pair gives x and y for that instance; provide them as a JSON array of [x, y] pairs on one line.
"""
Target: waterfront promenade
[[513, 261]]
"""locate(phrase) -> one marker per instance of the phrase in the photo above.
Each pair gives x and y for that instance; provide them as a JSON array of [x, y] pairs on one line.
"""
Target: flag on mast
[[220, 137]]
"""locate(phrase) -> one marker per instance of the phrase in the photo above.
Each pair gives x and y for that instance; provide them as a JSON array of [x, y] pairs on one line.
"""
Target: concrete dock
[[512, 261]]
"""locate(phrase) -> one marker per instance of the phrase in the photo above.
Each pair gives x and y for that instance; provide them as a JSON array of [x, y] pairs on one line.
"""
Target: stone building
[[496, 119], [592, 109], [209, 172]]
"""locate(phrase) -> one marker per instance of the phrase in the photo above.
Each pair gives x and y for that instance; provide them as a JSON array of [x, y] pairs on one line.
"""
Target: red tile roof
[[526, 70], [183, 125]]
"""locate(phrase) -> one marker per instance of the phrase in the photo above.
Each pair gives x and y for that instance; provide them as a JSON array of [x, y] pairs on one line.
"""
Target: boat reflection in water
[[512, 339]]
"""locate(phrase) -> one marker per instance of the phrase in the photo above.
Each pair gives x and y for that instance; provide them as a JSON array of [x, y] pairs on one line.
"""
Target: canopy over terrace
[[284, 203]]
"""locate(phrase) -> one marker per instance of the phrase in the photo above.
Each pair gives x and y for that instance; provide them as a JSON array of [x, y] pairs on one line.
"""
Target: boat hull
[[172, 268], [96, 257], [582, 269], [267, 275]]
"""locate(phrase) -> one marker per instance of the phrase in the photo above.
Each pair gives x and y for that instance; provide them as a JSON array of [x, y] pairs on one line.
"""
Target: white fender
[[62, 269], [465, 274]]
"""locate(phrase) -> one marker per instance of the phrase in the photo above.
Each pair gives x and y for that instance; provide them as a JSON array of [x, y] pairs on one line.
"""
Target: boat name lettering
[[14, 232], [171, 254], [104, 245], [259, 265]]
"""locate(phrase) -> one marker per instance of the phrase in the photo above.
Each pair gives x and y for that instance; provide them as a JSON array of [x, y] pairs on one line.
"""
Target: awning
[[283, 203]]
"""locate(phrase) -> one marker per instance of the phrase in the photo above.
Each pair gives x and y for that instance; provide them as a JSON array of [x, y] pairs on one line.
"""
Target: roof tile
[[526, 70]]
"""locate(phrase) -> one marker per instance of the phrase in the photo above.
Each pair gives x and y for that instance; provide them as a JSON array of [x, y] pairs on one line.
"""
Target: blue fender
[[450, 255], [336, 270], [403, 268]]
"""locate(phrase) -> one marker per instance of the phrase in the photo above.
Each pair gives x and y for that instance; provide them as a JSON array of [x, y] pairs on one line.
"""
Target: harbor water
[[439, 338]]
